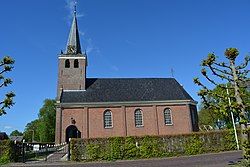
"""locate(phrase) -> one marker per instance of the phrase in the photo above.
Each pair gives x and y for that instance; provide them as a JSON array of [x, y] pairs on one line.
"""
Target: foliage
[[93, 151], [151, 146], [194, 146], [243, 163], [32, 129], [47, 121], [130, 148], [228, 72], [6, 65], [6, 151], [43, 127], [115, 148], [207, 117], [16, 133]]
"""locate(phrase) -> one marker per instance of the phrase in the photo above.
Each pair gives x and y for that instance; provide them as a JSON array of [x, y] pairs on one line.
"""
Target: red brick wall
[[77, 115], [180, 117], [71, 78], [89, 121], [149, 124], [96, 124]]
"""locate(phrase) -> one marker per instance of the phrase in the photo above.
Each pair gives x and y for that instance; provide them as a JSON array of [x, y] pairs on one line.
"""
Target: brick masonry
[[90, 123]]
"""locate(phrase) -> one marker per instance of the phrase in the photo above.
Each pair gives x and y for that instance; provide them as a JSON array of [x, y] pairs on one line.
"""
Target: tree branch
[[219, 75], [244, 65], [222, 65]]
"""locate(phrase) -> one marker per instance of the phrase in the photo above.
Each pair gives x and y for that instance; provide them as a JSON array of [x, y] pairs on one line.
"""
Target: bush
[[194, 146], [115, 148], [151, 146], [7, 153]]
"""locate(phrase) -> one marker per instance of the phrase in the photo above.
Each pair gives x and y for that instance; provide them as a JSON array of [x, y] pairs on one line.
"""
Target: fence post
[[23, 151], [68, 158], [46, 151]]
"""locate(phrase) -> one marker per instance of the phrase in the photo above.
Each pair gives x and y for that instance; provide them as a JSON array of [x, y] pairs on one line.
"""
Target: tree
[[16, 133], [43, 128], [47, 121], [207, 118], [222, 110], [6, 65], [31, 132], [231, 73]]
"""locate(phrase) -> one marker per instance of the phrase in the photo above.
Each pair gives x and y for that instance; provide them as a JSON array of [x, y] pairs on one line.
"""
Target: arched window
[[76, 63], [67, 63], [107, 118], [167, 117], [138, 118]]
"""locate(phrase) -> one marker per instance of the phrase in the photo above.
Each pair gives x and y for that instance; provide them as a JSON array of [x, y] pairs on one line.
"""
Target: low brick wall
[[151, 146]]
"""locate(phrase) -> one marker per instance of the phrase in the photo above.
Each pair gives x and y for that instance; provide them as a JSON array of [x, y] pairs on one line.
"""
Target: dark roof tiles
[[127, 90]]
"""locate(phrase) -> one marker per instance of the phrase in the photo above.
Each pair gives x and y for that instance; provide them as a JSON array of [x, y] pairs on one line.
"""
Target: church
[[109, 107]]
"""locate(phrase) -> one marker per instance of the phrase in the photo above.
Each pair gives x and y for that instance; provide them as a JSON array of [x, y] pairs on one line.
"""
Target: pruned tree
[[233, 77], [6, 65]]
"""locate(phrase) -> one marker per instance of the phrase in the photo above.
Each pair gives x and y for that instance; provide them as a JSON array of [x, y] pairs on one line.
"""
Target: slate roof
[[127, 90], [16, 138], [74, 40]]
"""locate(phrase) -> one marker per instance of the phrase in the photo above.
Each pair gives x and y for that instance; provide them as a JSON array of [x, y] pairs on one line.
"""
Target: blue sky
[[123, 38]]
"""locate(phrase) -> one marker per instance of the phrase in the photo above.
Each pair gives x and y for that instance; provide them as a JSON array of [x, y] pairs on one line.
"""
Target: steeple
[[72, 63], [73, 44]]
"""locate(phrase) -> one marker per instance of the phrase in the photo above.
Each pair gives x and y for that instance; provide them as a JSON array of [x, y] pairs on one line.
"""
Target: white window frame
[[142, 123], [171, 116], [104, 120]]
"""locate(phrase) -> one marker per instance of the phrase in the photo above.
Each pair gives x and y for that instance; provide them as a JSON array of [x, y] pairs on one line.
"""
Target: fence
[[22, 151]]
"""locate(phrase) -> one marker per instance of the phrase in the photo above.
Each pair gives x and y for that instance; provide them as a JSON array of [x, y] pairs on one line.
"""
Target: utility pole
[[235, 132]]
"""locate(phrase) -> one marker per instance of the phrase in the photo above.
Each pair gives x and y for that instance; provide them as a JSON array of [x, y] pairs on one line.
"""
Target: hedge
[[7, 151], [118, 148]]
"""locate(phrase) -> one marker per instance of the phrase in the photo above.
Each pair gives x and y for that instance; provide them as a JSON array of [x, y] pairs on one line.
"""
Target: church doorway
[[72, 132]]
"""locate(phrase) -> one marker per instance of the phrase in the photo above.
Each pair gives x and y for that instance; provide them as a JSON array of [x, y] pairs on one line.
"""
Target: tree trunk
[[239, 100]]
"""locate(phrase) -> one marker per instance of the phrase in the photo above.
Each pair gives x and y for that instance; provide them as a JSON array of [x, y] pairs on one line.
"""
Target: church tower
[[72, 63]]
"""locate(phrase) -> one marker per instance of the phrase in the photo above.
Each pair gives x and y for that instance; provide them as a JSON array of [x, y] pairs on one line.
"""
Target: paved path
[[205, 160]]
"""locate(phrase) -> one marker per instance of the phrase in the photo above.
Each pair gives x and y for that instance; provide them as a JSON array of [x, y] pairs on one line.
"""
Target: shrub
[[194, 146], [130, 149], [149, 147], [115, 148], [7, 153], [93, 151]]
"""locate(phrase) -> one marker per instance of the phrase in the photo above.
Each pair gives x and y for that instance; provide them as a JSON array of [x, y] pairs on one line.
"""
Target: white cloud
[[70, 6], [8, 127], [81, 33], [130, 42], [115, 68]]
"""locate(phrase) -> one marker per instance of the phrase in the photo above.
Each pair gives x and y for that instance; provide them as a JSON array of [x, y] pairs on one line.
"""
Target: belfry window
[[107, 118], [67, 63], [167, 117], [138, 118], [76, 63]]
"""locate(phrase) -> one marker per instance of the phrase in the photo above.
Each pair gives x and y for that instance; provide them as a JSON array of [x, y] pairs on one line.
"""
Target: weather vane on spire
[[75, 8]]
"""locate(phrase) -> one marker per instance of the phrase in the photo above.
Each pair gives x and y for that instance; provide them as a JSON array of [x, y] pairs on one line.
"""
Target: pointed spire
[[73, 44]]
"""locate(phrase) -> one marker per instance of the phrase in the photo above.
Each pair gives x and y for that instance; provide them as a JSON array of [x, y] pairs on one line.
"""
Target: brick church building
[[106, 107]]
